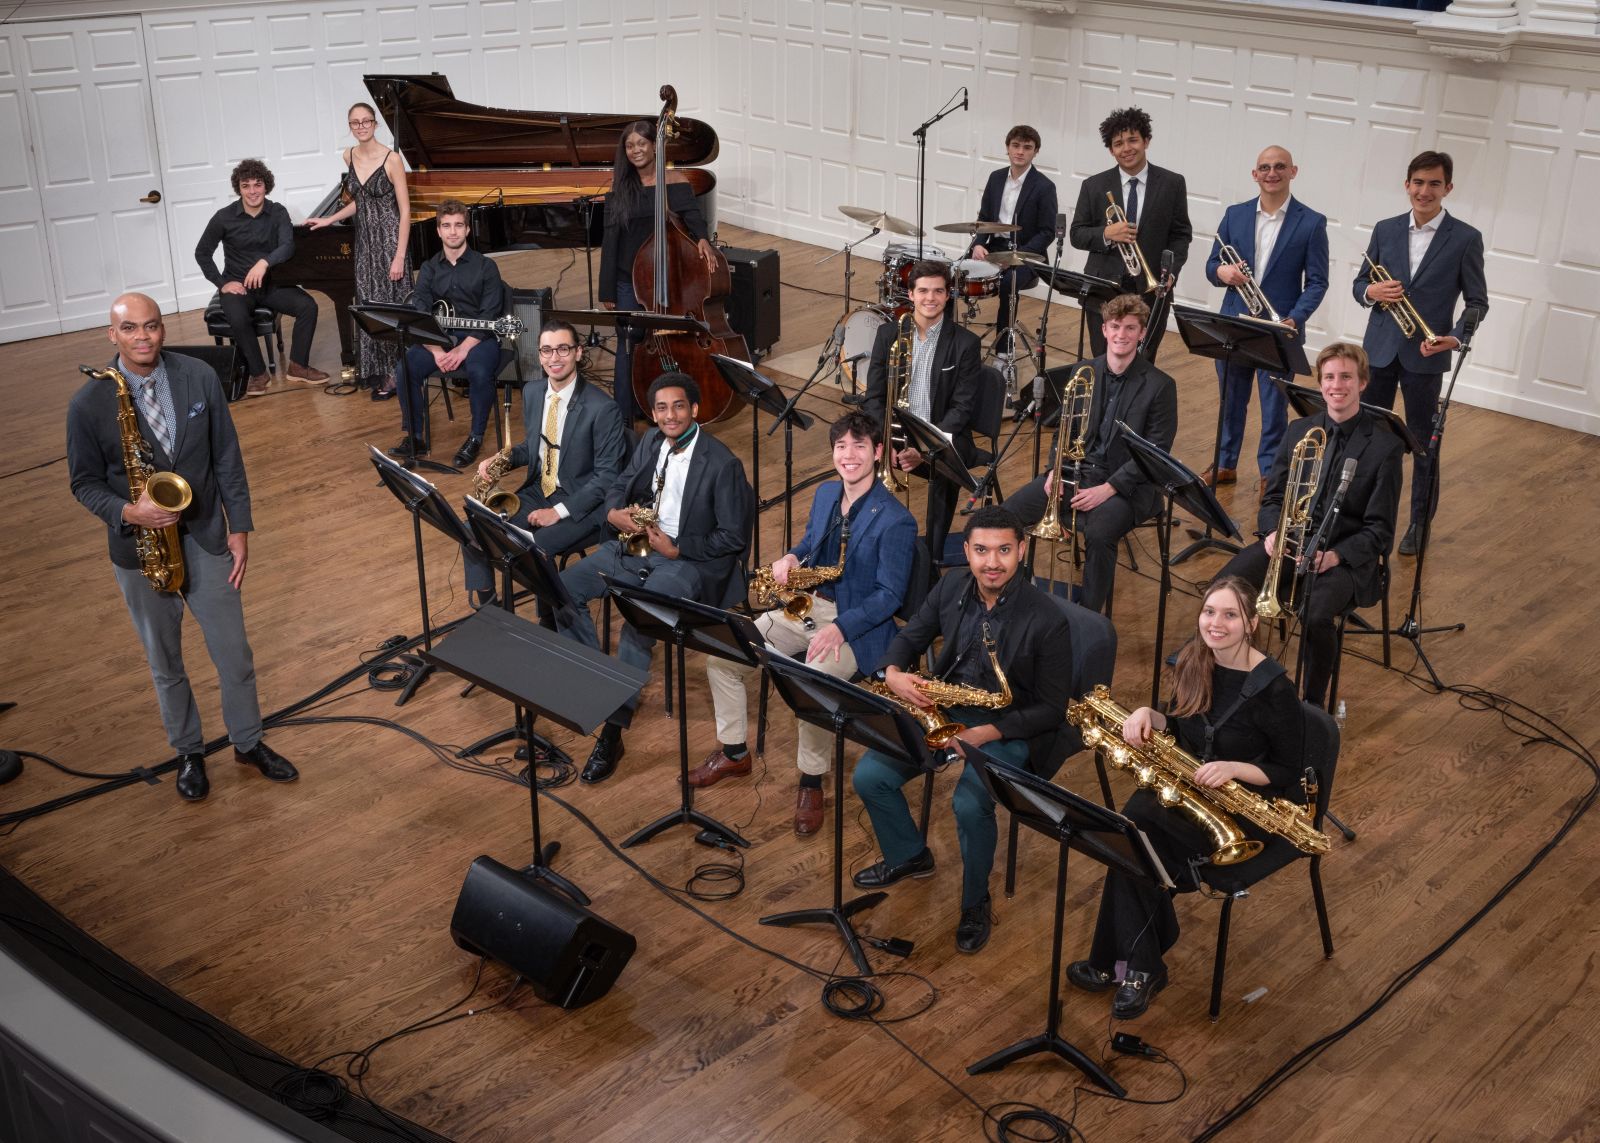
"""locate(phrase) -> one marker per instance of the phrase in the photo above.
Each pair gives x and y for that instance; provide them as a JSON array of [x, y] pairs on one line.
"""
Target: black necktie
[[1133, 201]]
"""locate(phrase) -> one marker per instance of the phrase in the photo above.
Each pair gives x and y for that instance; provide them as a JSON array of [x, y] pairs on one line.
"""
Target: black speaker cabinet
[[225, 360], [753, 308], [568, 954], [531, 306]]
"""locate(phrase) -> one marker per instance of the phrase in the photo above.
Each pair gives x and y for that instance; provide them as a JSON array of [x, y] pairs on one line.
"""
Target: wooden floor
[[315, 917]]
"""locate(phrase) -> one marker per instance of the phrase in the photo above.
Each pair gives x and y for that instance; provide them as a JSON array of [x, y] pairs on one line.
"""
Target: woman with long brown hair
[[1236, 711]]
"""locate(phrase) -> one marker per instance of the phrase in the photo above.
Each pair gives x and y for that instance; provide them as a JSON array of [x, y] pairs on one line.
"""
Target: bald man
[[1285, 244], [183, 418]]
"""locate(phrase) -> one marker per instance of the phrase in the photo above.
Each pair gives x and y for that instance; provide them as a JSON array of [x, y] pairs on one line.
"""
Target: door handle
[[153, 197]]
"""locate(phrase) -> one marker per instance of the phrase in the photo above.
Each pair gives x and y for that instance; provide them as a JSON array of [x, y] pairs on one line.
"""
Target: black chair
[[264, 323], [987, 419], [1351, 617], [1236, 881]]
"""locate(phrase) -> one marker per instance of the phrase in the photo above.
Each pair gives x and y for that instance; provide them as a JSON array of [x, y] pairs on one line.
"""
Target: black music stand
[[866, 719], [1098, 833], [1259, 344], [1306, 402], [385, 321], [539, 672], [424, 502], [684, 624], [764, 395], [512, 550], [1182, 486], [1084, 287]]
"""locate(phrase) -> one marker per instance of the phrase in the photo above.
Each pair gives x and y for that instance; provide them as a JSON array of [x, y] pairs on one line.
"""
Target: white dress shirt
[[551, 394], [1269, 224], [1010, 195], [669, 505], [1421, 237]]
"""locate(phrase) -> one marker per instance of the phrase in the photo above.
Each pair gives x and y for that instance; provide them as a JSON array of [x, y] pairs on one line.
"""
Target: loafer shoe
[[976, 923], [808, 811], [1082, 974], [602, 761], [192, 781], [1135, 993], [468, 452], [880, 873], [718, 766], [273, 766]]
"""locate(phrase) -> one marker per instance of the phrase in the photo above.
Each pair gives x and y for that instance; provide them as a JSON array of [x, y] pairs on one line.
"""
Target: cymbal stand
[[830, 352]]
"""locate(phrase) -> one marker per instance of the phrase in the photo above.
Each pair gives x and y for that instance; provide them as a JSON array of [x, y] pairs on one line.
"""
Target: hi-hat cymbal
[[1016, 258], [977, 228], [880, 220]]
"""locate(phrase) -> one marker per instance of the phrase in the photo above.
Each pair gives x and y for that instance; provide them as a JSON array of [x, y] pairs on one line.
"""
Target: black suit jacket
[[1035, 214], [955, 379], [593, 448], [1365, 528], [1148, 403], [205, 452], [1163, 223], [1034, 649], [718, 509]]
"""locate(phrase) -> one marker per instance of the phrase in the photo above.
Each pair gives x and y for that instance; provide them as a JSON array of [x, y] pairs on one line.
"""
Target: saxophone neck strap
[[1255, 682]]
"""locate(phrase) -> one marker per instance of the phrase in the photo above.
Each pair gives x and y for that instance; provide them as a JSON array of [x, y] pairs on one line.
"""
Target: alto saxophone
[[637, 543], [503, 501], [160, 550], [937, 729], [1167, 768], [896, 395], [1295, 520], [796, 603]]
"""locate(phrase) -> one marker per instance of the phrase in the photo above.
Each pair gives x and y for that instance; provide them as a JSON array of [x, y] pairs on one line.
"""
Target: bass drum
[[860, 331]]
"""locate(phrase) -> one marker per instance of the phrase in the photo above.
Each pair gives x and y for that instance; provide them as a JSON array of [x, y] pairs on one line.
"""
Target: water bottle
[[1338, 717]]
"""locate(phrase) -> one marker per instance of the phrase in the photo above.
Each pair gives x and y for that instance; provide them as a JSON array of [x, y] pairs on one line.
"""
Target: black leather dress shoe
[[192, 781], [973, 931], [1082, 974], [1409, 542], [273, 766], [1135, 993], [468, 452], [408, 447], [602, 761], [881, 873]]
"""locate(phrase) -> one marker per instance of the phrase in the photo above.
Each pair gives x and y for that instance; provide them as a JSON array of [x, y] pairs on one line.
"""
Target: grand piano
[[528, 178]]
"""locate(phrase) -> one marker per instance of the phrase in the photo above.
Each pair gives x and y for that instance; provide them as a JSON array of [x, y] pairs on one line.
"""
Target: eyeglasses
[[557, 350], [1272, 168], [363, 122]]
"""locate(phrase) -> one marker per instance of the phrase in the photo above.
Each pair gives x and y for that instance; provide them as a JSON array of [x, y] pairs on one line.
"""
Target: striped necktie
[[156, 416]]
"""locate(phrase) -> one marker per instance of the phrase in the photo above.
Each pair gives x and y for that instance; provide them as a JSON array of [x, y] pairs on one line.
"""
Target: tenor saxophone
[[1295, 520], [937, 728], [160, 550], [1164, 766]]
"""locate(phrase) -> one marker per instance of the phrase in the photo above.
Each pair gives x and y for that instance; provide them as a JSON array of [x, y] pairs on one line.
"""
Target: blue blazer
[[877, 566], [1452, 268], [1297, 273]]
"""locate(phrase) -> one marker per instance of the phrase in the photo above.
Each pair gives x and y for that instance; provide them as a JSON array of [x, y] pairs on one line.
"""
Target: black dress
[[1137, 922], [377, 233]]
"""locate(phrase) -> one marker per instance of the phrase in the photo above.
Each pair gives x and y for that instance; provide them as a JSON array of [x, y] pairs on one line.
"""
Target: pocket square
[[196, 409]]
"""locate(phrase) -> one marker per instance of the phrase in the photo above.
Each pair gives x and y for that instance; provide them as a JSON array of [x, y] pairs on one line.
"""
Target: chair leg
[[266, 352], [449, 409], [1105, 783], [1220, 965], [1338, 661], [666, 677], [605, 626], [1127, 550], [927, 804], [761, 715], [1011, 859], [1384, 615], [1322, 908]]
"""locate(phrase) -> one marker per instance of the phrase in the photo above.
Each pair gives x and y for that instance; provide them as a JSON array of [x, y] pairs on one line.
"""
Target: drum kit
[[972, 280]]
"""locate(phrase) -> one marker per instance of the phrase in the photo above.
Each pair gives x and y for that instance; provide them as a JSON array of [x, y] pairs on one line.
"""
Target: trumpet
[[1403, 311], [1254, 300], [897, 395], [1133, 260], [1072, 434], [638, 543], [1304, 465]]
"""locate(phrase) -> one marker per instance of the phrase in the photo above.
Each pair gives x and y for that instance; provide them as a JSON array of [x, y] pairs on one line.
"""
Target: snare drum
[[860, 332], [976, 278], [898, 259]]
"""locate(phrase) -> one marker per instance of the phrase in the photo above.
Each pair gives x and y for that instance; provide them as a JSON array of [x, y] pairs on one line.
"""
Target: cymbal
[[1016, 258], [977, 228], [881, 221]]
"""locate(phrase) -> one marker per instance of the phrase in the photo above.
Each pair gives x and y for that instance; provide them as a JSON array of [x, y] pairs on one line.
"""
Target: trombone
[[1072, 435], [1403, 311], [1133, 260], [1254, 300]]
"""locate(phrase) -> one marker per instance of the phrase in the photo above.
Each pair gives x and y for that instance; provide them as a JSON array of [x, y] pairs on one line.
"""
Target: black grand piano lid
[[434, 130]]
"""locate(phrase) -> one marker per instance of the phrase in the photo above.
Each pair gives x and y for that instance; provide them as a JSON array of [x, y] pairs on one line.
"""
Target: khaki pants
[[731, 702]]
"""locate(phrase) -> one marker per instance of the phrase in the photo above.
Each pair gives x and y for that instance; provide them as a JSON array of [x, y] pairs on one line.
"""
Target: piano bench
[[265, 324]]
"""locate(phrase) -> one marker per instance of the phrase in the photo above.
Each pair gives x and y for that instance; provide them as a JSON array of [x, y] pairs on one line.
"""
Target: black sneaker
[[973, 931]]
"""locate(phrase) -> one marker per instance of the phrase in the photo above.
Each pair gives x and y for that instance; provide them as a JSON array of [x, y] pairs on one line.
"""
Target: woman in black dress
[[1236, 711], [630, 222], [375, 183]]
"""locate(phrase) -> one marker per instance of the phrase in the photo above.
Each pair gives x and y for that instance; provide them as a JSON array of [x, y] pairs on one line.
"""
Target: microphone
[[1166, 265], [1470, 320], [1346, 475], [1061, 228]]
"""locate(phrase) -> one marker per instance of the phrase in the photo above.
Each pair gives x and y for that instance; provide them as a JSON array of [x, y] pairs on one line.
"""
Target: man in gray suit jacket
[[183, 417], [573, 449], [1156, 202], [1434, 258]]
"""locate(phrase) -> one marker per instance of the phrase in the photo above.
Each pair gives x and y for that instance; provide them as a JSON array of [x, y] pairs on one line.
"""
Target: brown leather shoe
[[305, 372], [716, 767], [808, 811], [1224, 475], [257, 385]]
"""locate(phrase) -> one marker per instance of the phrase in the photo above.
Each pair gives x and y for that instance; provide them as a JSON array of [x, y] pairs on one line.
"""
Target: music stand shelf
[[386, 321]]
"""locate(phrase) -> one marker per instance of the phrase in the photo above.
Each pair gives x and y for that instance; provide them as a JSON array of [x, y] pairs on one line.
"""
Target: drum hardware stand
[[836, 339]]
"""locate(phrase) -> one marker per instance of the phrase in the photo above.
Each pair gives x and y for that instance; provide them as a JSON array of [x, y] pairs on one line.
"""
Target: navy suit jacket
[[593, 448], [1035, 214], [877, 565], [1297, 273], [205, 452], [1452, 268]]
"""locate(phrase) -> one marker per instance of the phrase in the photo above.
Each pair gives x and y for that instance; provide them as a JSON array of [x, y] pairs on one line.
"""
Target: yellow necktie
[[552, 421]]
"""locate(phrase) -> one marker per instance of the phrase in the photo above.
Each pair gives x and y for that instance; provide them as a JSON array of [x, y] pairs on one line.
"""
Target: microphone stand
[[836, 340], [921, 134], [586, 205], [1044, 337]]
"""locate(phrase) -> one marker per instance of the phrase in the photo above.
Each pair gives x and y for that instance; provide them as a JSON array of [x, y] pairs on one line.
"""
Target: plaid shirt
[[922, 351]]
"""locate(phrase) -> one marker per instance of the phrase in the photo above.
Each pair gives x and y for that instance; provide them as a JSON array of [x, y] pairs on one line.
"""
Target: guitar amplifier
[[753, 307]]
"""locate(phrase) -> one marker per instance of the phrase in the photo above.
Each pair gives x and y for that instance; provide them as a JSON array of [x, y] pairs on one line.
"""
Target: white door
[[27, 288], [92, 166]]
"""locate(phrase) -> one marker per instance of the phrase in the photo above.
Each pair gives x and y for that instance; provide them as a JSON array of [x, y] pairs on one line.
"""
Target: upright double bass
[[670, 277]]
